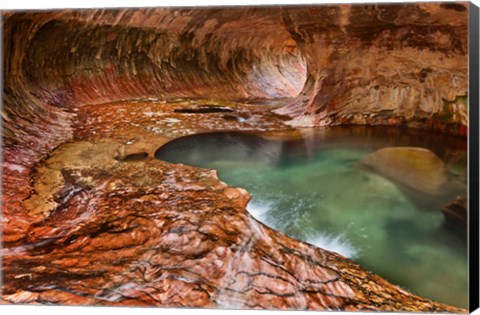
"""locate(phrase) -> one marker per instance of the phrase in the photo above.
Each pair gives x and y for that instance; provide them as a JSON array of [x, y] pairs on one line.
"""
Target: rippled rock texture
[[90, 217], [387, 64]]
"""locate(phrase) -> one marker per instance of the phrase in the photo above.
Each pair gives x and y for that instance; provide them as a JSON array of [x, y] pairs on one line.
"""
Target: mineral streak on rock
[[90, 217]]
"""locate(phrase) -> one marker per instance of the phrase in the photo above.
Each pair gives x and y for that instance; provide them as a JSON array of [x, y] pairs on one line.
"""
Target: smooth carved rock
[[125, 244], [382, 64], [417, 168], [82, 227], [153, 233]]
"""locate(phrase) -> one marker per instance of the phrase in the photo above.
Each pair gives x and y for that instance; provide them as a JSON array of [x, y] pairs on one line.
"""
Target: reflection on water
[[313, 190]]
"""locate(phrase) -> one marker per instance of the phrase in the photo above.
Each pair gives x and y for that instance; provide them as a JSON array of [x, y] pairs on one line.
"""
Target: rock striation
[[382, 64], [90, 217], [106, 230]]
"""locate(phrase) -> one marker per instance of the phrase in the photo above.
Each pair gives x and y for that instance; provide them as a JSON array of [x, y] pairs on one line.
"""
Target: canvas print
[[300, 157]]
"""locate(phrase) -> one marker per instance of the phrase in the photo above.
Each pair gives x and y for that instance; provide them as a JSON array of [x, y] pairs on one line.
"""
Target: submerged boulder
[[456, 211], [415, 167]]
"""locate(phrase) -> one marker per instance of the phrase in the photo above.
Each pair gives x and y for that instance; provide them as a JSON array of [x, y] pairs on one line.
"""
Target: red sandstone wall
[[375, 64], [364, 65]]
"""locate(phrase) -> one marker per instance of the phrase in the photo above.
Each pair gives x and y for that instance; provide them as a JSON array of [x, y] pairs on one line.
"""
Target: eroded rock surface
[[84, 224], [147, 232], [382, 64]]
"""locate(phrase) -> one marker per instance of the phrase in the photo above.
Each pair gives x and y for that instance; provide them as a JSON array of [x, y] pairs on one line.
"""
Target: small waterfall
[[259, 210], [335, 243]]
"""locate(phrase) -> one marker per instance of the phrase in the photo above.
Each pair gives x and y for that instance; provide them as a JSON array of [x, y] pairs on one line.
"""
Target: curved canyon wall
[[58, 60], [377, 64], [383, 64]]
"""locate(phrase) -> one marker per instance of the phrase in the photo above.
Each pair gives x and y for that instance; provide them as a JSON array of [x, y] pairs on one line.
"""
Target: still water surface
[[313, 189]]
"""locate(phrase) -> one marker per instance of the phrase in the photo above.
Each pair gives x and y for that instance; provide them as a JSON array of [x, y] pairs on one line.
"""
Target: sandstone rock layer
[[90, 217]]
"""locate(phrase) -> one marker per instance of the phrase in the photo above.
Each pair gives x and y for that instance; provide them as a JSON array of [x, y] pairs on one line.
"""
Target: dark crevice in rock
[[454, 6], [133, 157], [203, 110]]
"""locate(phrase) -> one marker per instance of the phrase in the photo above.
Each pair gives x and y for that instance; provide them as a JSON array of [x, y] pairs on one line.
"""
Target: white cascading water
[[335, 243]]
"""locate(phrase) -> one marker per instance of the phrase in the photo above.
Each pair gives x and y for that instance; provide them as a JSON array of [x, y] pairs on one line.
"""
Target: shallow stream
[[314, 189]]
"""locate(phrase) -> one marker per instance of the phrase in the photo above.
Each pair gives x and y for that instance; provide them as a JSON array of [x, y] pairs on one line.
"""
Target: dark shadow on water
[[235, 147]]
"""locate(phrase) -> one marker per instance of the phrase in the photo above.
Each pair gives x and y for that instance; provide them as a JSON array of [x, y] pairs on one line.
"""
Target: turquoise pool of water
[[313, 189]]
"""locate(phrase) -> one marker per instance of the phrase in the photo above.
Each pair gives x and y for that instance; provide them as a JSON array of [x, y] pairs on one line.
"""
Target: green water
[[313, 190]]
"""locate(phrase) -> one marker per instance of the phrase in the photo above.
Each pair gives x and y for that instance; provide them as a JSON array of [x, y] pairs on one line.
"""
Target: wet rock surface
[[88, 218], [148, 232], [456, 211], [418, 168], [350, 64]]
